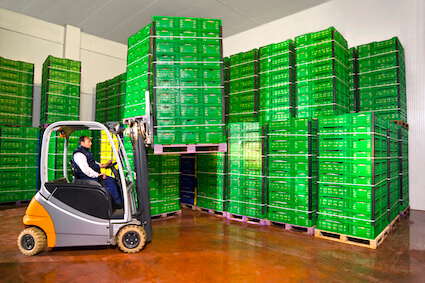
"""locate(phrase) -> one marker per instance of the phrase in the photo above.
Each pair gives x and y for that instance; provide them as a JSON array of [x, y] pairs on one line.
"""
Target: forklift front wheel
[[31, 241], [131, 239]]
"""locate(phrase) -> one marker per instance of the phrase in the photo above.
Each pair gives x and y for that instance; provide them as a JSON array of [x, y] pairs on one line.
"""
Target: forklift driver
[[88, 168]]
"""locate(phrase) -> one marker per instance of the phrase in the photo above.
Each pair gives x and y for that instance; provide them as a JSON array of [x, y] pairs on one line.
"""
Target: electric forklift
[[68, 212]]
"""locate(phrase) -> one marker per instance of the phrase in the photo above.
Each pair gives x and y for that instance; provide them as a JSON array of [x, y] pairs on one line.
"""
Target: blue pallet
[[187, 197]]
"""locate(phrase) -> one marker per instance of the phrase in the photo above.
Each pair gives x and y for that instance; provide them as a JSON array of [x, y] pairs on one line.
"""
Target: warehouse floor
[[198, 247]]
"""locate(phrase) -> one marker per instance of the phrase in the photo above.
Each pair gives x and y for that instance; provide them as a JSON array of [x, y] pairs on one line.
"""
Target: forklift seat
[[81, 181]]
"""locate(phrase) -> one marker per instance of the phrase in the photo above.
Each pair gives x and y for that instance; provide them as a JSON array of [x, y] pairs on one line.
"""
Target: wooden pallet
[[246, 219], [291, 227], [167, 215], [351, 240], [405, 212], [189, 148]]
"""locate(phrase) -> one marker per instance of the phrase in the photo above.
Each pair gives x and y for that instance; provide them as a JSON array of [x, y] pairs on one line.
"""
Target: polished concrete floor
[[197, 247]]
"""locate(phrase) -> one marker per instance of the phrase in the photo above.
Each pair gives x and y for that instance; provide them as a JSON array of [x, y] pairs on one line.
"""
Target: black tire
[[131, 238], [32, 241]]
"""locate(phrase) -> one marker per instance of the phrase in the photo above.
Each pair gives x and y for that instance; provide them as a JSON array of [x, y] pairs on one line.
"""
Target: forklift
[[69, 212]]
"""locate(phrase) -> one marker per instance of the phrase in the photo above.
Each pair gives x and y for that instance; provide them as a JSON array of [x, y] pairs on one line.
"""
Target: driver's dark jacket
[[90, 160]]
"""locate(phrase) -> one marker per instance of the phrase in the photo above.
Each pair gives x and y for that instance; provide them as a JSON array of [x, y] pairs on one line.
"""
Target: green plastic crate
[[322, 51], [320, 36]]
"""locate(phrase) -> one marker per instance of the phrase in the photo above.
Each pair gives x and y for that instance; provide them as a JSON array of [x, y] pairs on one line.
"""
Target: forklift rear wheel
[[131, 239], [31, 241]]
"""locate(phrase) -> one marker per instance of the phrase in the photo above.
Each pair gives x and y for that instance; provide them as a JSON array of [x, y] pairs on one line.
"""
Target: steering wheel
[[116, 173]]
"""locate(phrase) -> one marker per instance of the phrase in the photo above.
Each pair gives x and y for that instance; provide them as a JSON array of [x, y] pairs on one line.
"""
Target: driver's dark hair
[[81, 139]]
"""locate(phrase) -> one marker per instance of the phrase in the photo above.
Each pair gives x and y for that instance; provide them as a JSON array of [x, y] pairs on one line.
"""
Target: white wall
[[31, 40], [360, 22]]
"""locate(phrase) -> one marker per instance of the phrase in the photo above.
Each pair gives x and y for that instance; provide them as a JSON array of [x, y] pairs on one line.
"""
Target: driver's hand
[[109, 162], [103, 175]]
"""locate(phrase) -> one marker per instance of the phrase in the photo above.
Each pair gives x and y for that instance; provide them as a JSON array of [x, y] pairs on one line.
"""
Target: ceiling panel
[[17, 6], [117, 12], [118, 19]]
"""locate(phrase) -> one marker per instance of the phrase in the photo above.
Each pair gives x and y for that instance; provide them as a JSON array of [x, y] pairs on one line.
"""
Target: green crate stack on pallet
[[55, 163], [393, 185], [226, 76], [353, 77], [322, 74], [277, 81], [139, 68], [353, 175], [403, 151], [16, 92], [18, 163], [164, 182], [60, 90], [243, 87], [382, 79], [212, 181], [110, 99], [188, 85], [292, 172], [247, 170]]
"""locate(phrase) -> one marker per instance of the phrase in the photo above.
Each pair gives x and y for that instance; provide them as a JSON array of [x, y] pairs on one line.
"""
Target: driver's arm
[[105, 164], [81, 161]]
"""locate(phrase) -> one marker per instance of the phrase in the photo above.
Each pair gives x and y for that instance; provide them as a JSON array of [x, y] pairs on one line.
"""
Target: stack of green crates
[[226, 73], [382, 79], [55, 163], [243, 87], [139, 79], [18, 162], [246, 173], [101, 101], [212, 181], [353, 77], [16, 92], [60, 90], [188, 87], [277, 81], [322, 74], [164, 182], [110, 99], [353, 175], [128, 147], [292, 172], [403, 168], [393, 189]]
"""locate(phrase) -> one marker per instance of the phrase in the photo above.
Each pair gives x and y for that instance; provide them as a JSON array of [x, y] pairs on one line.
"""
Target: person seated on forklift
[[88, 168]]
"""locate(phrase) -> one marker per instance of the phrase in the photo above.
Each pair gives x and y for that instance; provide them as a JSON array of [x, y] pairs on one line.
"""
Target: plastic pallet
[[246, 219], [189, 148], [291, 227], [213, 212], [167, 215], [405, 212]]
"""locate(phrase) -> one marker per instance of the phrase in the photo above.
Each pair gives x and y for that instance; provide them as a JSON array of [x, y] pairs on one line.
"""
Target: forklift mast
[[137, 137]]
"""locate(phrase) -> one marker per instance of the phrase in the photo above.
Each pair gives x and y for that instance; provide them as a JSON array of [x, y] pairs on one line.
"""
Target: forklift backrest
[[81, 181], [73, 168]]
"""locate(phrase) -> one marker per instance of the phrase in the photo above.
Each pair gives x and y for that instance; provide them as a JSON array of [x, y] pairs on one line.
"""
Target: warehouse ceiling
[[118, 19]]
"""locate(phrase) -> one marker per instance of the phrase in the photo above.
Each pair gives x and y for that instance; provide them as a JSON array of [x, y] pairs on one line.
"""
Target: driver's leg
[[111, 186]]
